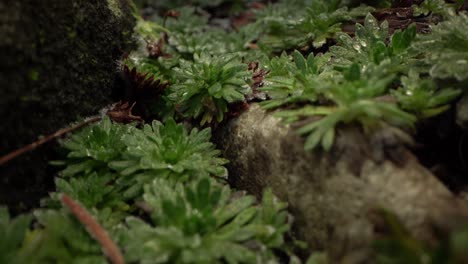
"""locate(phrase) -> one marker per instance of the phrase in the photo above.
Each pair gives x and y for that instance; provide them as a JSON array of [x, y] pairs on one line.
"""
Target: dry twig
[[119, 112], [46, 139], [108, 246]]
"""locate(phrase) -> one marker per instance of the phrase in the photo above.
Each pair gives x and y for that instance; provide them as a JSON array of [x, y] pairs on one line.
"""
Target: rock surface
[[462, 112], [57, 63], [332, 195]]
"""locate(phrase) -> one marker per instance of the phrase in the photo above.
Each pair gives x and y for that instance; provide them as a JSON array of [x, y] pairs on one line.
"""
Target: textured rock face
[[462, 112], [332, 195], [57, 63]]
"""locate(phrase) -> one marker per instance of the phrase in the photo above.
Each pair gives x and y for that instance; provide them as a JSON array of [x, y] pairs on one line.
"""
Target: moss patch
[[115, 7]]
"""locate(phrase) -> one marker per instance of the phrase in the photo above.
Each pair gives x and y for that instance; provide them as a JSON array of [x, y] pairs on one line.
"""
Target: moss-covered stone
[[332, 195], [57, 63]]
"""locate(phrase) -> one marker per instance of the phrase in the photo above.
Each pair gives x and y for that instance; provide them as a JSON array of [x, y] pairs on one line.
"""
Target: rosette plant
[[208, 85]]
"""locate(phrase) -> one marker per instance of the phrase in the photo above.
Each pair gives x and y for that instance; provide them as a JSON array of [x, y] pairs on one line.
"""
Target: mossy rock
[[58, 62], [336, 196]]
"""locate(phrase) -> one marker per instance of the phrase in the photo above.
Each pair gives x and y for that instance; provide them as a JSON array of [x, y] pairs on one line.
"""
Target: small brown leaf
[[257, 78], [122, 113], [172, 13]]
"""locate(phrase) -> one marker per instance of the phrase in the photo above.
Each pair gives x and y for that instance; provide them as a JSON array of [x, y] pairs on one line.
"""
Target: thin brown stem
[[46, 139], [108, 246]]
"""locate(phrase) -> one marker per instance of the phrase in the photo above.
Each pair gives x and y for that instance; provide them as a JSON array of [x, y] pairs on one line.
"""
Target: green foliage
[[295, 82], [286, 26], [166, 150], [318, 258], [161, 173], [428, 7], [420, 96], [355, 98], [158, 69], [197, 221], [57, 238], [352, 96], [369, 46], [147, 29], [190, 34], [323, 21], [186, 35], [399, 246], [129, 157], [94, 147], [93, 191], [197, 58], [201, 223], [60, 239], [188, 21], [353, 80], [171, 4], [446, 48], [208, 85], [213, 41], [12, 233]]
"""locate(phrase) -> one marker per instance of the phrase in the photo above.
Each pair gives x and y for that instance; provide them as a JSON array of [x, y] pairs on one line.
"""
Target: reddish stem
[[108, 246], [46, 139]]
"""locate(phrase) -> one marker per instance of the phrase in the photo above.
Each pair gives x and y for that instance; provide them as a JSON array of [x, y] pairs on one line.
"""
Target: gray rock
[[462, 112], [332, 196]]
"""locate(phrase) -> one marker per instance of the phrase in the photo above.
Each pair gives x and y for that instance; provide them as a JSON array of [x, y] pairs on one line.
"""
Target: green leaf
[[354, 73], [401, 41], [198, 222], [446, 48], [327, 141], [205, 86], [233, 208], [13, 232], [60, 239], [301, 63], [313, 140]]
